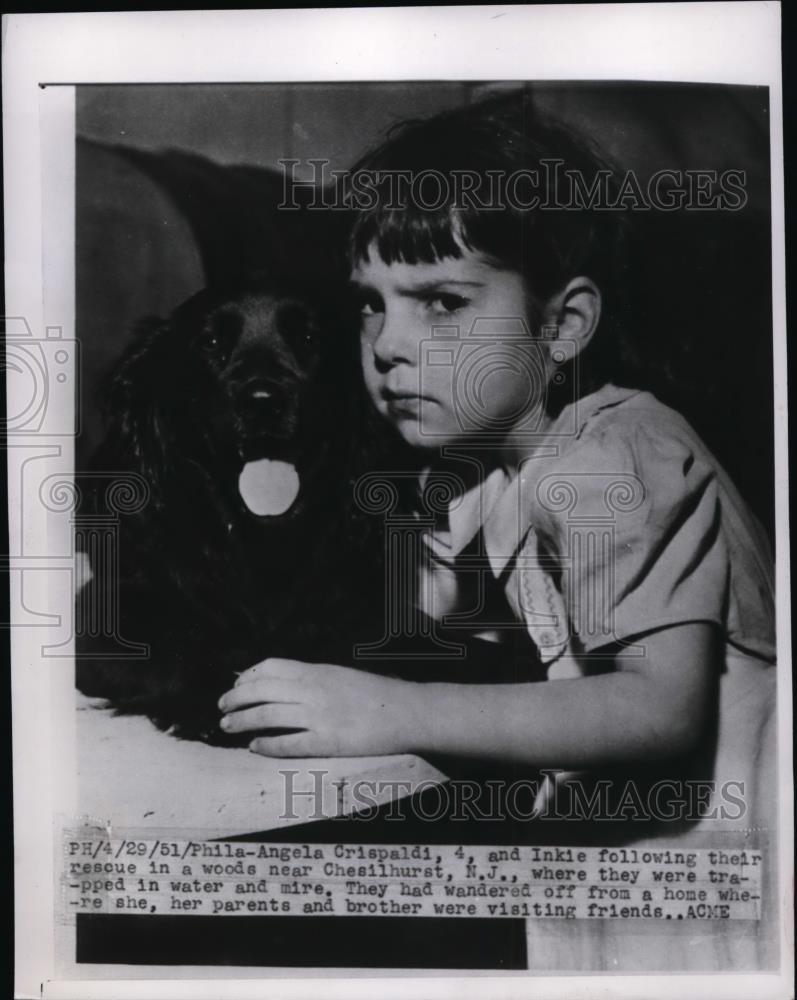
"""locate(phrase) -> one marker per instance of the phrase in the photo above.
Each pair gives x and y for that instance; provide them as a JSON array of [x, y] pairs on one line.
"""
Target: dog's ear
[[148, 402]]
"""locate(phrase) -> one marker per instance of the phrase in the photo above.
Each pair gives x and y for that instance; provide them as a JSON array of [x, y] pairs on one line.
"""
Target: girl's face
[[447, 349]]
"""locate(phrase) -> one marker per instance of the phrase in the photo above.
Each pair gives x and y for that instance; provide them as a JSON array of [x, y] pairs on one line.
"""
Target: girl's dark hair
[[687, 309], [503, 141]]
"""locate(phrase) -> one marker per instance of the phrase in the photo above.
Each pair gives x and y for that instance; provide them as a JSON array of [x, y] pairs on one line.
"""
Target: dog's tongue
[[268, 487]]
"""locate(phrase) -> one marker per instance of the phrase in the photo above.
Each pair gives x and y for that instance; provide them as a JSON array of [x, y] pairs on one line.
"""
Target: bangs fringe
[[408, 236]]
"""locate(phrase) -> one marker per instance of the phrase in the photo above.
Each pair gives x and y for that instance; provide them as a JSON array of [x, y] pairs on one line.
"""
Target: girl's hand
[[338, 711]]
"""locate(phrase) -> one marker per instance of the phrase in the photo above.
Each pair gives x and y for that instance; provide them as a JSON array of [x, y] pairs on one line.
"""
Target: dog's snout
[[266, 415], [262, 390]]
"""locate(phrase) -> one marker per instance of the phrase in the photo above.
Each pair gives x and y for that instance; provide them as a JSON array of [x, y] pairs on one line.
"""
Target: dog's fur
[[210, 587]]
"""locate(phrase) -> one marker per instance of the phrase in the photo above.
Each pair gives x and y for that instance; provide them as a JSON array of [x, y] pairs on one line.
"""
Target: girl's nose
[[396, 343]]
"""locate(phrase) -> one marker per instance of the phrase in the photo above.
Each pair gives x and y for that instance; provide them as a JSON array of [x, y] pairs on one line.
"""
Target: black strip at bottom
[[303, 942]]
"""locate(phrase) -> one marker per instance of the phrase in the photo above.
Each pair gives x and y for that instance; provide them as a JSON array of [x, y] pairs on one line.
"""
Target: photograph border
[[732, 43]]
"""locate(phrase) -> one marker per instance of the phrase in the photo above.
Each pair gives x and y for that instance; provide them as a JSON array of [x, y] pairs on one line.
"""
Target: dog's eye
[[297, 325], [218, 339], [214, 345]]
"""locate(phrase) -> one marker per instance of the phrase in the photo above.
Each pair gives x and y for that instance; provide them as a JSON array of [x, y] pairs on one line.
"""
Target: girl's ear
[[574, 313]]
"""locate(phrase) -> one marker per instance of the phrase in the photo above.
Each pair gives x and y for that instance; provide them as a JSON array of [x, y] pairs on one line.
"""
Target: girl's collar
[[494, 503]]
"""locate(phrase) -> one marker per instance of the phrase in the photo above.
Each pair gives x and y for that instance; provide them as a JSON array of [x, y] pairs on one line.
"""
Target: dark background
[[701, 291]]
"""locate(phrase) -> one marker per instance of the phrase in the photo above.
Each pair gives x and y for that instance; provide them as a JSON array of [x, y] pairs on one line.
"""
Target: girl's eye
[[370, 305], [445, 303]]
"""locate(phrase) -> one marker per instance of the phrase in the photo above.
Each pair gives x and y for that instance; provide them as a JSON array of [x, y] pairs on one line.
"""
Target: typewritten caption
[[170, 877]]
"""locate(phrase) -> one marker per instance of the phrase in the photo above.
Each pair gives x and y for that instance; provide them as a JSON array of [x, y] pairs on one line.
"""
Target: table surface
[[133, 776]]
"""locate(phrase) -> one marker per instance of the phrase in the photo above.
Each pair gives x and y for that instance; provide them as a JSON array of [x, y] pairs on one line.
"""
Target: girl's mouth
[[397, 396], [405, 405]]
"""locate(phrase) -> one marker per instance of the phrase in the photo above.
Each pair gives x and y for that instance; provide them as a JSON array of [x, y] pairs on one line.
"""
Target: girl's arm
[[651, 707]]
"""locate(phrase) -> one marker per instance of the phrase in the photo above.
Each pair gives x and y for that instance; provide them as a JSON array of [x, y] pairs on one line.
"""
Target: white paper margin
[[703, 42]]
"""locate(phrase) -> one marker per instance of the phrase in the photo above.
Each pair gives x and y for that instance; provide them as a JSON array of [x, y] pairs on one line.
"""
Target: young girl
[[491, 339]]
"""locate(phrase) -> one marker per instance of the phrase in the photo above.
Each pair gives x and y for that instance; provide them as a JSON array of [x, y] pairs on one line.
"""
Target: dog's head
[[230, 377], [256, 356]]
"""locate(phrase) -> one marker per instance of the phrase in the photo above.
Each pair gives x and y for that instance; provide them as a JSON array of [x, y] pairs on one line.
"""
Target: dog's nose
[[260, 390]]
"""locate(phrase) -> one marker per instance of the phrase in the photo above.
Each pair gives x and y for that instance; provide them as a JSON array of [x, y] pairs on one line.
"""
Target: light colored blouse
[[618, 522]]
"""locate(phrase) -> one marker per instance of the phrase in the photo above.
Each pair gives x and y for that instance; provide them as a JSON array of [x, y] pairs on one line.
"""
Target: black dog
[[267, 371]]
